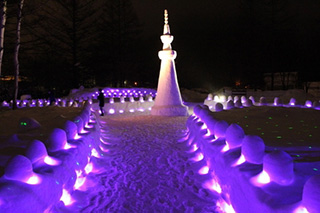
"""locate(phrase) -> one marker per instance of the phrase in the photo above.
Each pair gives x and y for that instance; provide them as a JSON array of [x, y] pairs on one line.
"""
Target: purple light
[[66, 198], [301, 209], [260, 179], [213, 185], [88, 168], [34, 180], [204, 170], [225, 207], [198, 157], [94, 153], [226, 147], [241, 160], [111, 111], [51, 161]]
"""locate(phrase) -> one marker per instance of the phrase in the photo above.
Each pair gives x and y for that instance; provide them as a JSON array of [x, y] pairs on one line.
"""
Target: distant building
[[281, 80]]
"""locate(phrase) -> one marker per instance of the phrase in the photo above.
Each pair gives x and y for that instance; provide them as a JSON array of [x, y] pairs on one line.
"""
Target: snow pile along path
[[145, 169]]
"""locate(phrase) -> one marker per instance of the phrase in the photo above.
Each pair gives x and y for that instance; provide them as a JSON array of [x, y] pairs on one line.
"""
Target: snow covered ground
[[151, 163], [145, 169]]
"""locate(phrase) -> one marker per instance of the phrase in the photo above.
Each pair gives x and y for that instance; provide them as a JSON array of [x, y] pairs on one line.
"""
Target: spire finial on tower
[[166, 29], [166, 17]]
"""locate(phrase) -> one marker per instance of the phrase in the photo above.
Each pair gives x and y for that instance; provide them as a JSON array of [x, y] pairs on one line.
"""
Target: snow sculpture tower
[[168, 101]]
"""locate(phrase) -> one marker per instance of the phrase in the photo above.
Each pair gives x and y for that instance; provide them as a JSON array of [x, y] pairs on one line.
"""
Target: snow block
[[36, 151], [18, 168], [279, 166], [310, 196], [57, 140], [253, 148], [71, 129], [292, 102], [252, 99], [263, 101], [218, 107], [238, 104], [243, 99], [277, 101], [26, 124], [230, 104], [234, 135], [248, 103], [220, 129]]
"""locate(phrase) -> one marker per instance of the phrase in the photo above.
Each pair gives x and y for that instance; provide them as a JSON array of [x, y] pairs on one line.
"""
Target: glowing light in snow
[[80, 180], [301, 209], [261, 179], [51, 161], [68, 146], [241, 160], [77, 137], [34, 180], [111, 111], [104, 149], [292, 104], [121, 111], [213, 185], [88, 126], [225, 207], [204, 126], [131, 110], [194, 148], [204, 170], [83, 131], [226, 147], [88, 168], [66, 198], [198, 157], [94, 153]]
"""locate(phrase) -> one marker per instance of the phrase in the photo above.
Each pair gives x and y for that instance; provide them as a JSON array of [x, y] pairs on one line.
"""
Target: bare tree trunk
[[3, 18], [16, 54]]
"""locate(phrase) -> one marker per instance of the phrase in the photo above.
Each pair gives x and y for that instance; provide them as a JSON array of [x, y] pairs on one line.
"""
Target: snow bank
[[247, 177], [51, 170]]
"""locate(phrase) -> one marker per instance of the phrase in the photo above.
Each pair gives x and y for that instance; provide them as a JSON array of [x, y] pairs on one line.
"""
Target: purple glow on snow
[[225, 207], [66, 198], [213, 185], [76, 137], [241, 160], [204, 170], [226, 147], [94, 153], [88, 168], [121, 111], [34, 180], [301, 209], [131, 110], [111, 111], [68, 146], [80, 180], [260, 179], [198, 157], [51, 161], [104, 149], [194, 148]]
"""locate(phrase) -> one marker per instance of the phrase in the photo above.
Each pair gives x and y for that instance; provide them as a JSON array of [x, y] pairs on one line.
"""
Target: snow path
[[146, 169]]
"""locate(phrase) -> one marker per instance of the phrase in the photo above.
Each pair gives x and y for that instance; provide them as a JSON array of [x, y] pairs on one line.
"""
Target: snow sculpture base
[[179, 110]]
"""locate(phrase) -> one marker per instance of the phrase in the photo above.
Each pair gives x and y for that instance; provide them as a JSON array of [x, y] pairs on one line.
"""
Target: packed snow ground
[[145, 169]]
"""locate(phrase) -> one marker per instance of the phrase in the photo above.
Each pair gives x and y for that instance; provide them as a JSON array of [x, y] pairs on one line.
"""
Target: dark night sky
[[212, 43]]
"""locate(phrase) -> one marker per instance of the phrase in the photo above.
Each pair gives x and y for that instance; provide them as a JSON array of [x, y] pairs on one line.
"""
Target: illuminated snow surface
[[144, 170]]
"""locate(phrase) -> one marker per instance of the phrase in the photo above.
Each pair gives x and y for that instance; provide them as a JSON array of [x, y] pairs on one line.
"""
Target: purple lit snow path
[[146, 169]]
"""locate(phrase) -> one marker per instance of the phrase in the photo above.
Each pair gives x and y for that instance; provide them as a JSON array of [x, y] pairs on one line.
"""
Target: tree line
[[64, 44]]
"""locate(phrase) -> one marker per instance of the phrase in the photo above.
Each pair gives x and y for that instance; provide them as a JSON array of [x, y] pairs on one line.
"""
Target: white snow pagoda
[[168, 101]]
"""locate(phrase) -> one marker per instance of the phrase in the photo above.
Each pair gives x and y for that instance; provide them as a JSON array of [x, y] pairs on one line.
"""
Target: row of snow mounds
[[50, 171], [126, 105], [62, 102], [219, 103], [247, 178]]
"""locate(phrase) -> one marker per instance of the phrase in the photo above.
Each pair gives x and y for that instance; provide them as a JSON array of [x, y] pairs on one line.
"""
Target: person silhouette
[[101, 102]]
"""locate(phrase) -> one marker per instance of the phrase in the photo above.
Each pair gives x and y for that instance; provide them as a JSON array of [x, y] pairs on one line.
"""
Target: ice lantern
[[168, 101]]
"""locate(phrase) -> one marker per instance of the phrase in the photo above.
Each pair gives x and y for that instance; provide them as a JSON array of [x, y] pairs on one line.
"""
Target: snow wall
[[237, 167]]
